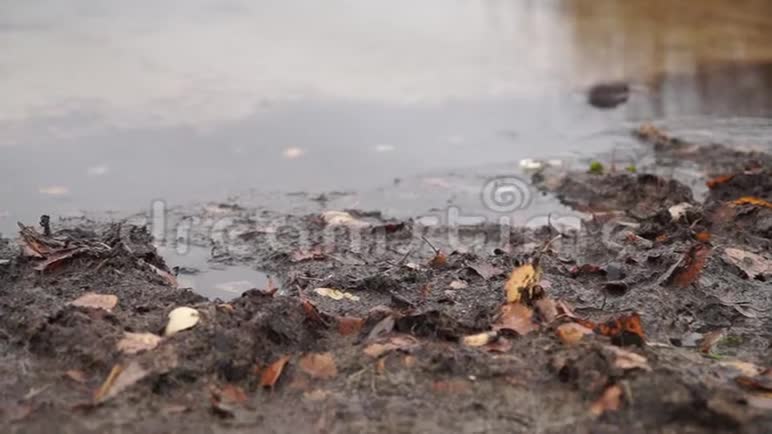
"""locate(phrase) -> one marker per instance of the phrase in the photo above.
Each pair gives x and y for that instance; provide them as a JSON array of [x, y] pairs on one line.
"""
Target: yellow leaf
[[336, 294], [522, 279]]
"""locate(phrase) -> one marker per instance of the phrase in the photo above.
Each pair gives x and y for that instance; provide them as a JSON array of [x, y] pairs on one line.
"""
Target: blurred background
[[107, 105]]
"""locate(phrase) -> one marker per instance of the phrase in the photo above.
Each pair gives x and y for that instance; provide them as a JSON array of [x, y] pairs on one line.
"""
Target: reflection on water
[[108, 105]]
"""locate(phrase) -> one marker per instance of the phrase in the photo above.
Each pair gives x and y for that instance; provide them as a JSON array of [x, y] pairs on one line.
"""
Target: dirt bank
[[656, 316]]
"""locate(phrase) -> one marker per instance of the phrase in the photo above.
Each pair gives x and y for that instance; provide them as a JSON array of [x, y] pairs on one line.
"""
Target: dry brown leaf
[[439, 260], [76, 375], [759, 383], [232, 394], [691, 265], [349, 325], [271, 374], [751, 264], [120, 379], [715, 182], [625, 360], [571, 333], [522, 280], [750, 200], [96, 301], [57, 259], [401, 342], [311, 312], [710, 339], [611, 400], [516, 317], [485, 270], [133, 343], [547, 308], [319, 365], [479, 339]]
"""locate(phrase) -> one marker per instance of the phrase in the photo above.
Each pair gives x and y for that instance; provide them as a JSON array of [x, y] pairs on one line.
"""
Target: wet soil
[[385, 351]]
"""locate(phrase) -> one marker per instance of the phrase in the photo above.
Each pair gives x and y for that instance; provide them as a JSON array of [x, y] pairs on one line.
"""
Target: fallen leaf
[[715, 182], [547, 308], [759, 383], [181, 318], [703, 236], [76, 375], [710, 339], [610, 400], [624, 330], [458, 284], [403, 343], [745, 368], [751, 264], [57, 259], [571, 333], [485, 270], [231, 393], [383, 327], [349, 325], [439, 260], [133, 343], [318, 365], [311, 312], [120, 378], [342, 218], [479, 339], [677, 212], [96, 301], [522, 279], [750, 200], [271, 374], [516, 317], [691, 265], [336, 294], [626, 360]]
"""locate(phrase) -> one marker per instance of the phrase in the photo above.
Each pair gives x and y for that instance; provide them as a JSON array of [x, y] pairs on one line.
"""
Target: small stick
[[436, 250]]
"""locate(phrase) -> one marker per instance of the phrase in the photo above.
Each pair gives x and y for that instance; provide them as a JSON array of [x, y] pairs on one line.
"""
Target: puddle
[[213, 281], [347, 96]]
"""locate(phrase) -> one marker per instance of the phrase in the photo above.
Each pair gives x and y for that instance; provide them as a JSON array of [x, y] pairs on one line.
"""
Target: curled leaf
[[271, 374], [571, 333], [516, 317], [521, 282], [181, 318], [120, 378]]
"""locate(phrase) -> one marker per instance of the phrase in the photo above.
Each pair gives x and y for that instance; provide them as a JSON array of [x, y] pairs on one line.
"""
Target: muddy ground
[[386, 346]]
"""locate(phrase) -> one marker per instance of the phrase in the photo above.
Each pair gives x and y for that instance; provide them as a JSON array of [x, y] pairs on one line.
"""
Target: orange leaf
[[713, 183], [319, 365], [693, 262], [271, 374], [625, 330], [611, 400], [750, 200], [312, 313], [349, 325], [231, 393], [516, 317], [439, 260], [571, 333], [703, 236]]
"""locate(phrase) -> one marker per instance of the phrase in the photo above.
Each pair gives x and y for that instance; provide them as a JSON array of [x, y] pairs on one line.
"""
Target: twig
[[436, 250]]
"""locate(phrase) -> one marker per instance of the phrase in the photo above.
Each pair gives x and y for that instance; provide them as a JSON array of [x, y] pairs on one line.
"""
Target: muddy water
[[411, 106]]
